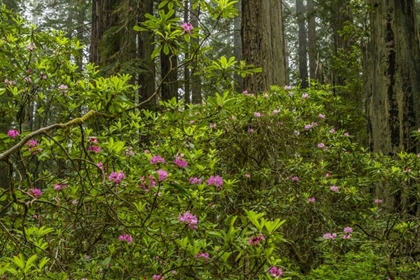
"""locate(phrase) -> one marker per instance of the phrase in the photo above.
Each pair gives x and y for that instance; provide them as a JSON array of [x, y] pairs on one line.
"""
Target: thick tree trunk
[[392, 84], [263, 43], [303, 61], [187, 96], [312, 40]]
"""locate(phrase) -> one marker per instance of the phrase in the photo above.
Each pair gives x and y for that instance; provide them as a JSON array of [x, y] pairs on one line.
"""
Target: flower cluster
[[255, 240], [93, 147], [257, 114], [35, 192], [147, 185], [13, 133], [216, 181], [63, 89], [378, 201], [295, 178], [33, 145], [334, 188], [189, 219], [129, 152], [9, 82], [58, 187], [157, 159], [195, 181], [312, 199], [201, 255], [212, 125], [181, 163], [116, 177], [188, 27], [158, 277], [162, 174], [310, 126], [125, 238], [331, 236], [275, 272], [347, 231]]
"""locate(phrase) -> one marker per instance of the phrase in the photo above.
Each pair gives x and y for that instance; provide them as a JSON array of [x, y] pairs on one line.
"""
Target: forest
[[210, 139]]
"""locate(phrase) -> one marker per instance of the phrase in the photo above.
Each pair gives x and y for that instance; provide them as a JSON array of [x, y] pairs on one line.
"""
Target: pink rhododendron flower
[[346, 236], [334, 188], [305, 96], [212, 125], [151, 183], [35, 192], [125, 238], [250, 130], [181, 163], [32, 145], [63, 89], [287, 87], [191, 122], [308, 127], [321, 145], [378, 201], [31, 47], [129, 152], [275, 272], [245, 92], [100, 165], [157, 159], [255, 240], [348, 230], [162, 174], [295, 178], [188, 27], [58, 187], [328, 175], [346, 134], [331, 236], [275, 112], [94, 149], [13, 133], [216, 181], [321, 116], [195, 181], [93, 140], [312, 199], [189, 219], [201, 255], [332, 130], [158, 277], [257, 114], [248, 176], [116, 177]]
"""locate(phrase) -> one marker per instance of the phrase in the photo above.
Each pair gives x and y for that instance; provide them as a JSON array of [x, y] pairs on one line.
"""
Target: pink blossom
[[245, 92], [331, 236], [125, 238], [321, 116], [195, 181], [35, 192], [255, 240], [275, 272], [212, 125], [116, 177], [181, 163], [151, 183], [308, 127], [305, 96], [328, 175], [216, 181], [157, 159], [295, 178], [13, 133], [334, 188], [129, 152], [348, 230], [248, 176], [158, 277], [321, 145], [31, 47], [257, 114], [189, 219], [346, 134], [28, 79], [346, 236], [287, 87], [188, 27], [250, 130], [191, 122], [100, 165], [93, 140], [275, 112], [58, 187], [9, 82], [378, 201], [162, 174], [312, 199], [201, 255], [32, 144], [332, 130], [95, 149]]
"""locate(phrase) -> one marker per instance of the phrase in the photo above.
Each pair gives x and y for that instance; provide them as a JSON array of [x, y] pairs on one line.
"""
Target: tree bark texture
[[263, 43], [392, 77], [303, 61], [196, 96], [312, 40], [237, 43]]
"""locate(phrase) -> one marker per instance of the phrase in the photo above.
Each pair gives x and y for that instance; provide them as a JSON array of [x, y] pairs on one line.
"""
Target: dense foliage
[[243, 186]]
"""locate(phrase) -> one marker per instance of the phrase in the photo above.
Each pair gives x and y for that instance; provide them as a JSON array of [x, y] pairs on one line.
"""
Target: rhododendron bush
[[244, 186]]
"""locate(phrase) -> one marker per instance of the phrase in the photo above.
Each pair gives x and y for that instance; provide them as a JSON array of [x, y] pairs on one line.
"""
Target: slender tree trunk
[[146, 77], [187, 96], [196, 78], [237, 43], [303, 61], [263, 43], [312, 40], [392, 84]]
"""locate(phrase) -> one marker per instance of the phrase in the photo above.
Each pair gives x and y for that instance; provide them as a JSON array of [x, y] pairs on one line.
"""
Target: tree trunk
[[303, 62], [237, 43], [187, 96], [263, 43], [312, 40], [392, 84], [146, 77], [196, 78]]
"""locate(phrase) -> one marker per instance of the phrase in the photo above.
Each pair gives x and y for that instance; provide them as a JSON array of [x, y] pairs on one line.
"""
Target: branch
[[28, 137]]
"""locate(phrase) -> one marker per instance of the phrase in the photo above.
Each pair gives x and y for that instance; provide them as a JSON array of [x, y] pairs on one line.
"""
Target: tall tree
[[263, 43], [312, 53], [237, 43], [303, 61], [195, 76]]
